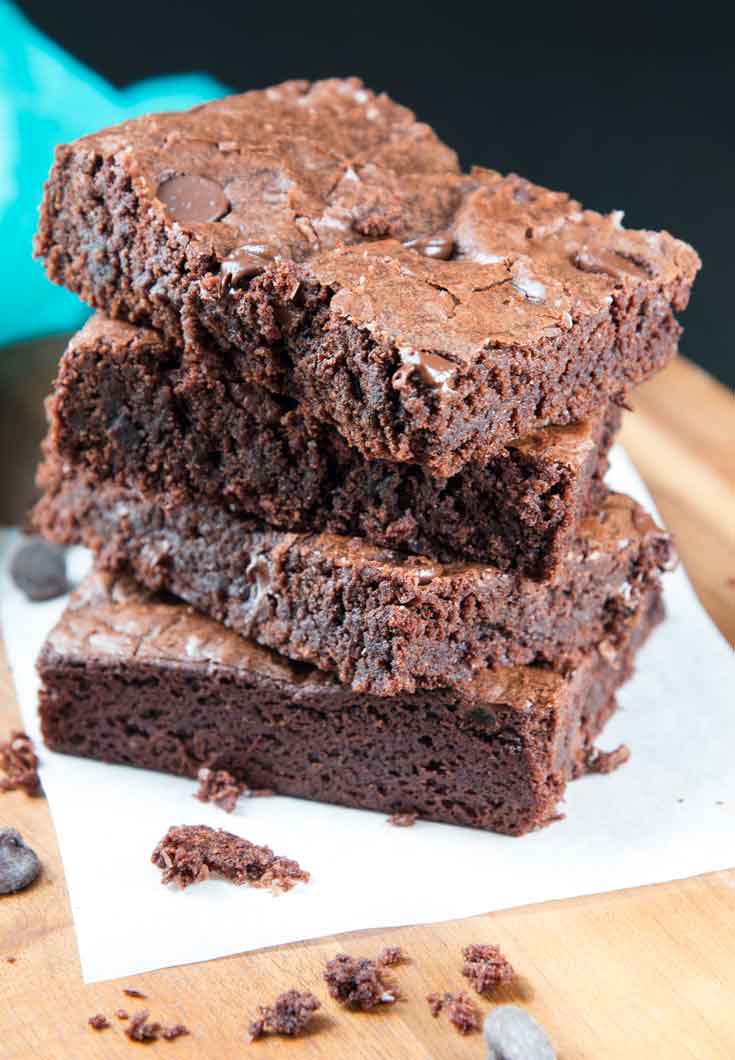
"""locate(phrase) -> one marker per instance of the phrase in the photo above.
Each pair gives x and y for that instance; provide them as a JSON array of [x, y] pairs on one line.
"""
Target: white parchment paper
[[669, 813]]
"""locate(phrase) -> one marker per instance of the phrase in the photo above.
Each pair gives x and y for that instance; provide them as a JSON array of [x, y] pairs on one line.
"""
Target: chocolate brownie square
[[383, 621], [124, 408], [329, 246], [133, 678]]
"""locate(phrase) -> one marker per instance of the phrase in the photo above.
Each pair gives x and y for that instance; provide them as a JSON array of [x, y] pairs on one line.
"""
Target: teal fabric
[[47, 97]]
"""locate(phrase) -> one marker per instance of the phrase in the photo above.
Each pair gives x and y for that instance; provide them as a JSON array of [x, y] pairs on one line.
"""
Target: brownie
[[384, 621], [138, 679], [329, 246], [124, 408], [191, 853]]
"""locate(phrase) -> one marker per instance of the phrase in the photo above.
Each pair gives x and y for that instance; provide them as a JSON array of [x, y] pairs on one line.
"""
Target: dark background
[[625, 108]]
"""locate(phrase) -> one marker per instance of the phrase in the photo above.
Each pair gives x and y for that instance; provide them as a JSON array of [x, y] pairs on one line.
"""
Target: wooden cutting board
[[632, 974]]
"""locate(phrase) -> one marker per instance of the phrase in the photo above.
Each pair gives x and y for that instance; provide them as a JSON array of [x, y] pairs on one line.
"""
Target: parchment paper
[[667, 814]]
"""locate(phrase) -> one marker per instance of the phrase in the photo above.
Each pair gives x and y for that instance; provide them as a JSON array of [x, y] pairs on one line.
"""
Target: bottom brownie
[[139, 679]]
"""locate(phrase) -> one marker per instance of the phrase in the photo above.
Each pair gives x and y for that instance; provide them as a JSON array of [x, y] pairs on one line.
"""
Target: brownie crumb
[[98, 1022], [122, 1014], [436, 1003], [288, 1015], [358, 981], [259, 793], [403, 820], [19, 763], [130, 991], [486, 967], [220, 787], [606, 761], [390, 955], [460, 1009], [140, 1030], [177, 1031], [190, 853], [11, 960]]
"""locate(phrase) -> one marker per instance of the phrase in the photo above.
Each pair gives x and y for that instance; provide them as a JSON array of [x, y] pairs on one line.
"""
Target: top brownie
[[330, 244]]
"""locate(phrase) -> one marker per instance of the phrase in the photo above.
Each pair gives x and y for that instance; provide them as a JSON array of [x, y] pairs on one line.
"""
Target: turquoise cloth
[[46, 98]]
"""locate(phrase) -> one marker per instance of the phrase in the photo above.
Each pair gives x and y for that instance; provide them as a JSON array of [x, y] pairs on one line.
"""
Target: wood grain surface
[[632, 974]]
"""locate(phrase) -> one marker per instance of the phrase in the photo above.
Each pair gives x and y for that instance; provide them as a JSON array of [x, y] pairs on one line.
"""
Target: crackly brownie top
[[110, 620], [372, 205]]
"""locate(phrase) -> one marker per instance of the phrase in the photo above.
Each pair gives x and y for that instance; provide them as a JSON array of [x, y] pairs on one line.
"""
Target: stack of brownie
[[337, 438]]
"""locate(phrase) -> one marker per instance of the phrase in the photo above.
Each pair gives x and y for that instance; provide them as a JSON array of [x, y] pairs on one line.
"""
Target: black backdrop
[[626, 109]]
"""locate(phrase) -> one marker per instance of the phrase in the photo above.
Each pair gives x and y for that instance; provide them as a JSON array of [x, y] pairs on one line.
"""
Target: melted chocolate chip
[[246, 262], [584, 260], [614, 263], [431, 369], [192, 199], [440, 247], [38, 568], [19, 865]]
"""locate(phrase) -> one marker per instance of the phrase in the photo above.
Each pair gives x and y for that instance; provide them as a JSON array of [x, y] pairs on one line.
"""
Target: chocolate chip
[[193, 199], [19, 865], [431, 368], [38, 568], [512, 1034], [440, 247], [247, 261]]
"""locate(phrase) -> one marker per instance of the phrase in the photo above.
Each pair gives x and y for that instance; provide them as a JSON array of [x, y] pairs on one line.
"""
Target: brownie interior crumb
[[391, 955], [358, 982], [486, 967], [289, 1015], [19, 763], [220, 787], [177, 1031], [140, 1030], [606, 761], [403, 820], [191, 853], [460, 1009], [98, 1022]]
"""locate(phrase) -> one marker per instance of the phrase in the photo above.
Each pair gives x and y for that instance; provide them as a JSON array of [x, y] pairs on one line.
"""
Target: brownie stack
[[337, 437]]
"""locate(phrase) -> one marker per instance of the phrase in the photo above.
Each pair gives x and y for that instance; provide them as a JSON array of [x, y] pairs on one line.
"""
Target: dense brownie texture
[[486, 966], [128, 677], [220, 787], [19, 764], [330, 247], [289, 1015], [125, 408], [383, 621], [460, 1009], [358, 982], [191, 853]]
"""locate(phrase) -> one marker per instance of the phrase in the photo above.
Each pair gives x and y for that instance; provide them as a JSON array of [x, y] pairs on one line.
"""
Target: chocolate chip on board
[[19, 865], [38, 568], [513, 1034]]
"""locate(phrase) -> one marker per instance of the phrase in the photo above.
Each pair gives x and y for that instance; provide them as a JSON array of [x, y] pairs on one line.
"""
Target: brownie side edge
[[458, 756], [123, 408], [383, 621]]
